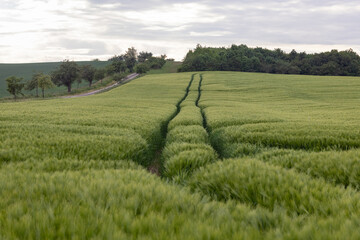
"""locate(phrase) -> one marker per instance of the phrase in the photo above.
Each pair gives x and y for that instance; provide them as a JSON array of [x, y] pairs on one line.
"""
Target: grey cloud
[[8, 4], [93, 47], [47, 30], [138, 5], [294, 24], [278, 22]]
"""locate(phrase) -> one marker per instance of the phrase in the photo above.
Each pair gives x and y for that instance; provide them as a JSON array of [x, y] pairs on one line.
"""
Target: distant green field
[[169, 67], [26, 70], [237, 156]]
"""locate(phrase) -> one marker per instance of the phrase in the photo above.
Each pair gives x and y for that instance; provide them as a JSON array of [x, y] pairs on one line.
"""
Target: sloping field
[[240, 156], [26, 71], [169, 67]]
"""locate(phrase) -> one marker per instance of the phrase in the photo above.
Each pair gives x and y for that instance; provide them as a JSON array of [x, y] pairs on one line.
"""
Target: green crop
[[335, 167], [256, 183], [240, 156], [125, 123], [115, 204], [187, 142]]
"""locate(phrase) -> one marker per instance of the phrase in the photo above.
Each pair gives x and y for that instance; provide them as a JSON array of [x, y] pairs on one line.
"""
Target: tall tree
[[44, 82], [142, 68], [78, 82], [100, 74], [66, 74], [118, 64], [143, 56], [33, 83], [131, 58], [14, 86], [117, 58], [243, 58], [87, 72]]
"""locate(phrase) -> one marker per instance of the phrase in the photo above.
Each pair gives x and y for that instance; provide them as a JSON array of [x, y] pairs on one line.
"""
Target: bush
[[142, 68], [119, 76]]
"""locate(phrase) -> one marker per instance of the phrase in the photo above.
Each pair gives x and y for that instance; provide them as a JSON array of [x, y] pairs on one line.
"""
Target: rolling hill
[[26, 70]]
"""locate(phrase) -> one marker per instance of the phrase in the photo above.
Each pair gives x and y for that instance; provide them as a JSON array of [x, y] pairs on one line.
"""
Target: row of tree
[[67, 73], [243, 58], [70, 72], [132, 61]]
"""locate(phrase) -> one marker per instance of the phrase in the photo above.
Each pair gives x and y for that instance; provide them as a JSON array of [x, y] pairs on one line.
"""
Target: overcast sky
[[52, 30]]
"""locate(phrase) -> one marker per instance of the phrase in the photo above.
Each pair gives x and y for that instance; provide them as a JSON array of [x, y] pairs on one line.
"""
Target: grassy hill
[[169, 67], [26, 70]]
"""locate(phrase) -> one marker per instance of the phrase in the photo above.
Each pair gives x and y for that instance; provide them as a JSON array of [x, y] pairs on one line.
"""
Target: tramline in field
[[243, 156]]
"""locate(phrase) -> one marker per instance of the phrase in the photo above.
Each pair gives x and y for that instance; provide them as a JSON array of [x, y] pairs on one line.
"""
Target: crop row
[[187, 142], [289, 135], [22, 143], [123, 124], [298, 196], [295, 124], [132, 203], [298, 114], [260, 126], [254, 182], [115, 204], [335, 167]]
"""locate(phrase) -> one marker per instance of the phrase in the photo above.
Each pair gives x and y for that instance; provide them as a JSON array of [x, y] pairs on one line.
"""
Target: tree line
[[70, 72], [243, 58]]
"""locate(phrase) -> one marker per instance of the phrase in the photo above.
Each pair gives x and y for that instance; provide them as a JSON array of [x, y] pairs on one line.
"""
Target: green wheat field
[[208, 155]]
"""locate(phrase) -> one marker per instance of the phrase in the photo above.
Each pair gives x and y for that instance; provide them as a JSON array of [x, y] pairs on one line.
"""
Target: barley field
[[208, 155]]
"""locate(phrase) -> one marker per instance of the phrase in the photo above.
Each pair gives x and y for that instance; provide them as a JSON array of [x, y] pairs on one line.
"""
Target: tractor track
[[155, 166]]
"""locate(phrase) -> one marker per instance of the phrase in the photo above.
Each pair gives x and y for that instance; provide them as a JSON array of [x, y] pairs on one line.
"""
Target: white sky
[[52, 30]]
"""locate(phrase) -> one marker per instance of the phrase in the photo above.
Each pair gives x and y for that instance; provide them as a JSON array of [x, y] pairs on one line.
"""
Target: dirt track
[[127, 79]]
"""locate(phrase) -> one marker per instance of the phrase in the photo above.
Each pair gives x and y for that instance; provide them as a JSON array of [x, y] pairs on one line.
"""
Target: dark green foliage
[[27, 70], [14, 85], [117, 58], [87, 72], [151, 63], [130, 58], [142, 68], [143, 56], [44, 82], [156, 62], [118, 65], [169, 67], [243, 58], [100, 74], [119, 76], [33, 83], [130, 61], [66, 74]]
